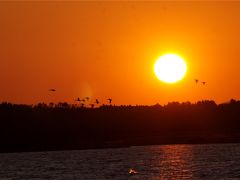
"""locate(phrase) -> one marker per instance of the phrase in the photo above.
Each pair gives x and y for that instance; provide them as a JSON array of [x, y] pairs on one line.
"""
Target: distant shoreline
[[118, 147], [226, 140], [26, 128]]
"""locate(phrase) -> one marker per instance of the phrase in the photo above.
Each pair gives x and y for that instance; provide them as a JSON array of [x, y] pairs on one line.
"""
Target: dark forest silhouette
[[63, 126]]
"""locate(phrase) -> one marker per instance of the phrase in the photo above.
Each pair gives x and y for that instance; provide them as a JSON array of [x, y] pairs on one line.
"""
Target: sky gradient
[[108, 49]]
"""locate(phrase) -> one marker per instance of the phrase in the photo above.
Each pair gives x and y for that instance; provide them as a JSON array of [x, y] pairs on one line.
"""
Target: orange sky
[[107, 49]]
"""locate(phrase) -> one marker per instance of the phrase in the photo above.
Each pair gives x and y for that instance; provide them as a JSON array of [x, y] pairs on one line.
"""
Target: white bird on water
[[132, 172]]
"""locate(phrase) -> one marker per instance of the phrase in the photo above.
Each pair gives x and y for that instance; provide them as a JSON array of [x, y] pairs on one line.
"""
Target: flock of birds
[[86, 99], [197, 81]]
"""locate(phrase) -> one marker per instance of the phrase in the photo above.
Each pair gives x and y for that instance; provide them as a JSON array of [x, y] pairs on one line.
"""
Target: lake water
[[212, 161]]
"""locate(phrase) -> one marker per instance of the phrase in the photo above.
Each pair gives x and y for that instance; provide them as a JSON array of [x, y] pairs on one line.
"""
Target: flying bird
[[53, 90], [78, 99], [110, 100], [204, 82], [196, 81], [97, 101]]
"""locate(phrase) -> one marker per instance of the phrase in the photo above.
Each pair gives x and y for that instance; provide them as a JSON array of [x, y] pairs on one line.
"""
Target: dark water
[[212, 161]]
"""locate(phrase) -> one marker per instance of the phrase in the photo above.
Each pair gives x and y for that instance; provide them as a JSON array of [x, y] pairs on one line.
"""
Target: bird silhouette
[[53, 90], [87, 98], [110, 100], [92, 105], [204, 82], [196, 81], [97, 101], [78, 99]]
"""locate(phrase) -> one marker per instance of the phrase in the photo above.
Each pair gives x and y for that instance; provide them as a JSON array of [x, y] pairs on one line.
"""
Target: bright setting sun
[[170, 68]]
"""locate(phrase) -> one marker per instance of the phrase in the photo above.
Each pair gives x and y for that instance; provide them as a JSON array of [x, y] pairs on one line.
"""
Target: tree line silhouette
[[64, 126]]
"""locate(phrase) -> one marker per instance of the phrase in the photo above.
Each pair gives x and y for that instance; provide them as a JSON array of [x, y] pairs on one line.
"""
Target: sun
[[170, 68]]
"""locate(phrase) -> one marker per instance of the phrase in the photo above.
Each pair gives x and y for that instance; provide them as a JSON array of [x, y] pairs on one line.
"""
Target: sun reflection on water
[[175, 160], [165, 162]]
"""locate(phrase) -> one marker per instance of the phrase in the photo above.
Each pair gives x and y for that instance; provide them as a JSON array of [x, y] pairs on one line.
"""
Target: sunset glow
[[107, 50]]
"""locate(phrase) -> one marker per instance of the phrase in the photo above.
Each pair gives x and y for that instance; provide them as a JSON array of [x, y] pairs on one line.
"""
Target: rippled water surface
[[212, 161]]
